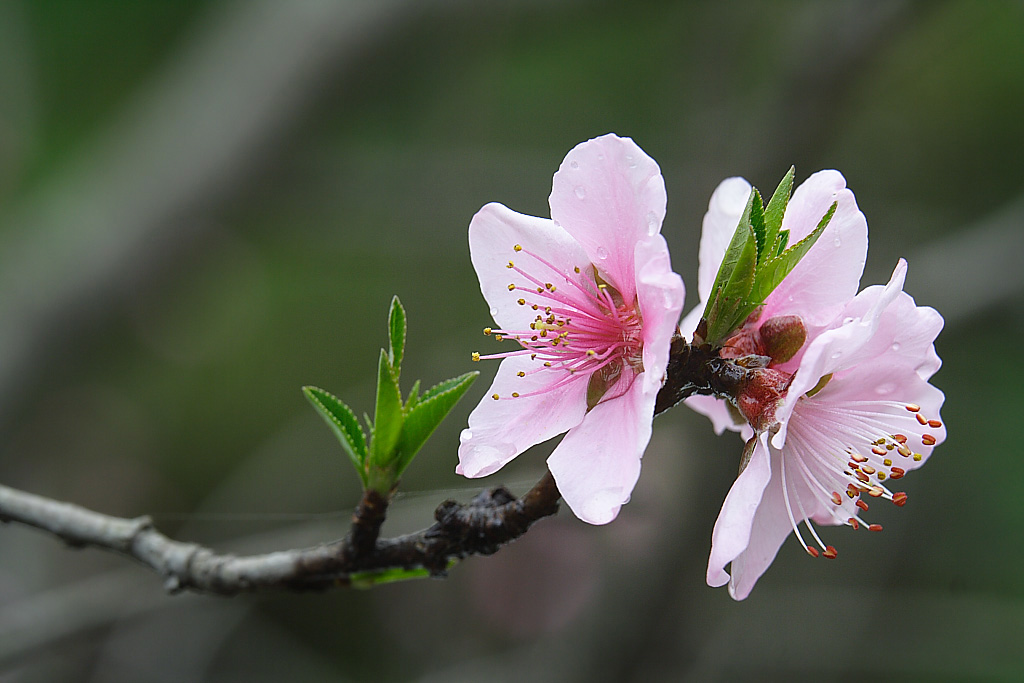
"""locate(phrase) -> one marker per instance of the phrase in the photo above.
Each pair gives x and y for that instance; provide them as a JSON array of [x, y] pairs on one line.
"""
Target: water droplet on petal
[[668, 299], [631, 161], [581, 191], [574, 164], [836, 355], [652, 224], [602, 253], [847, 321], [556, 224], [837, 241], [896, 346], [466, 435], [885, 389], [494, 310]]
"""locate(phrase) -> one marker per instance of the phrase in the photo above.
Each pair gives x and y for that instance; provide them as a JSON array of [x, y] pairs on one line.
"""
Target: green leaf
[[421, 421], [775, 271], [376, 577], [388, 415], [757, 221], [729, 305], [396, 335], [773, 214], [414, 397], [343, 423]]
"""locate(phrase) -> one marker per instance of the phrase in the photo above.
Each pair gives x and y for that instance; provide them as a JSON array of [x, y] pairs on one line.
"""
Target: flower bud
[[782, 336], [761, 395]]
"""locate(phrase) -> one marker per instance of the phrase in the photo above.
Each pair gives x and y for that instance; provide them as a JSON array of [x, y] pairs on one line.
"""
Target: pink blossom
[[592, 301], [815, 291], [858, 415]]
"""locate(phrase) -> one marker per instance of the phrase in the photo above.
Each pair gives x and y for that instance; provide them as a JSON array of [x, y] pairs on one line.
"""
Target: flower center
[[581, 327], [837, 476]]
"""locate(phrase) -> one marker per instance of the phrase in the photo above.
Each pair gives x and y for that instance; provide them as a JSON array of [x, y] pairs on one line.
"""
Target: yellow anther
[[521, 374], [498, 337], [547, 364], [518, 247], [511, 288], [521, 302], [487, 331], [577, 269], [494, 396], [476, 356], [510, 265], [515, 394]]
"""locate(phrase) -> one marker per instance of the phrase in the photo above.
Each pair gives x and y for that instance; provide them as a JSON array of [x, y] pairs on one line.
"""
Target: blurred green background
[[206, 205]]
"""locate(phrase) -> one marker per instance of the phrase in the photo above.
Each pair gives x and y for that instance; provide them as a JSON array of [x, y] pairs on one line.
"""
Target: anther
[[515, 394], [853, 522], [517, 248], [874, 527], [862, 505], [521, 374], [897, 473], [913, 407], [830, 552], [511, 287], [918, 457], [836, 498], [921, 418], [876, 491], [576, 269], [812, 551], [511, 265], [476, 356], [867, 469], [928, 439], [498, 337], [494, 396], [521, 302], [899, 437], [934, 424], [878, 450], [899, 499], [857, 457], [887, 462]]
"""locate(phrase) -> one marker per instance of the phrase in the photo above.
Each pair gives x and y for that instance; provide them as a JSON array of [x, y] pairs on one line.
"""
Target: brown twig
[[490, 521]]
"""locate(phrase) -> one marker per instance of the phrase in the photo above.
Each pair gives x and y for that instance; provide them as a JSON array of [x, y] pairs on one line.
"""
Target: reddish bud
[[782, 336]]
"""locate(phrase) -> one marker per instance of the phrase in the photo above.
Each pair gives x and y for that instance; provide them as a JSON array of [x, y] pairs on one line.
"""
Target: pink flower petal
[[493, 234], [720, 222], [500, 430], [609, 195], [717, 410], [597, 464], [731, 534], [660, 294], [771, 525], [828, 275]]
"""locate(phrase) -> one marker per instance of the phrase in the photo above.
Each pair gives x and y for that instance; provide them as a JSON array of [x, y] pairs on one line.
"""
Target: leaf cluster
[[755, 262], [399, 428]]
